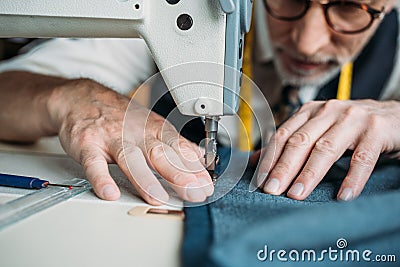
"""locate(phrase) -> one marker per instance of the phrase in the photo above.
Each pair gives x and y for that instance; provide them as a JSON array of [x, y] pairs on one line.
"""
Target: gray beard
[[319, 81]]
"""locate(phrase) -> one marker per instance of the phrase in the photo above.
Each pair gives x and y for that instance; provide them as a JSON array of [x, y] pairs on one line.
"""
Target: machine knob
[[228, 6], [245, 14]]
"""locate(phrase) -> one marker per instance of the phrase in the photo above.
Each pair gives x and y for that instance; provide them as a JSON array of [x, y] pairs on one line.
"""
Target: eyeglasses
[[342, 16]]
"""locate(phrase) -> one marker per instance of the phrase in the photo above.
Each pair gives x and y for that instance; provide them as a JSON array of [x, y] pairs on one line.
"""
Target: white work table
[[83, 231]]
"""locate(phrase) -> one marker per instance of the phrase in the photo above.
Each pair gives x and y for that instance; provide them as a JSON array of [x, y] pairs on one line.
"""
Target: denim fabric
[[242, 223]]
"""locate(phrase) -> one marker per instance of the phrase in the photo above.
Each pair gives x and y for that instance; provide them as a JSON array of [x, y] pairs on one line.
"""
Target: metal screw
[[184, 22]]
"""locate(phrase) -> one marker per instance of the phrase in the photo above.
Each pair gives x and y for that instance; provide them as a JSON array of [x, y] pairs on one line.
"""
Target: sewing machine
[[196, 44]]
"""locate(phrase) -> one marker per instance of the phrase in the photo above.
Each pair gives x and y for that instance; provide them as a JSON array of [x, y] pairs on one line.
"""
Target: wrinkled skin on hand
[[90, 120], [304, 148]]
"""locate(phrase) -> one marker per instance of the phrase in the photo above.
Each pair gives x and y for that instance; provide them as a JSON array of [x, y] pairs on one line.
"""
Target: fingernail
[[157, 193], [109, 192], [194, 193], [272, 185], [296, 190], [206, 185], [261, 178], [346, 195]]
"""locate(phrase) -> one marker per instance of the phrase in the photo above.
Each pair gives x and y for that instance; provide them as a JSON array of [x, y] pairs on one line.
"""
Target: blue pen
[[27, 182]]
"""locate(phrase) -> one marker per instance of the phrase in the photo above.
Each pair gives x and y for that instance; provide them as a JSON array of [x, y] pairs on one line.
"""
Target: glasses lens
[[286, 9], [348, 17]]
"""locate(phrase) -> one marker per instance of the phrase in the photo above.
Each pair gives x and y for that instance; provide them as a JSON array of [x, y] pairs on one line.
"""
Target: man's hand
[[90, 122], [305, 147]]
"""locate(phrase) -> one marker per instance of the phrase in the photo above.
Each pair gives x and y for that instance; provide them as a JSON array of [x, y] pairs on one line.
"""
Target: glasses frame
[[374, 13]]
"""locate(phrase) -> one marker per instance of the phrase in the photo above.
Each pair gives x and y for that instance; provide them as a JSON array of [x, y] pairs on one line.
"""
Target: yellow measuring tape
[[345, 81], [245, 127]]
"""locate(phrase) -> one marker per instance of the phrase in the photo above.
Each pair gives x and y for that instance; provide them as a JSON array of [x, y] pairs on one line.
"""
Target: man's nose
[[311, 33]]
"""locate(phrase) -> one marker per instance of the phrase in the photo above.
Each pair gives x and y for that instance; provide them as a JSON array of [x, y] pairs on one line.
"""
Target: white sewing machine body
[[179, 34]]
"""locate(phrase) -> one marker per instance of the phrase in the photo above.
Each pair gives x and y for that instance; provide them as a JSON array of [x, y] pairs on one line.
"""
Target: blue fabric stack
[[239, 228]]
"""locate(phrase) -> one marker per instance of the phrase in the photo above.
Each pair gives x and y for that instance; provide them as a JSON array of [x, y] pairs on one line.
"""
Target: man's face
[[308, 52]]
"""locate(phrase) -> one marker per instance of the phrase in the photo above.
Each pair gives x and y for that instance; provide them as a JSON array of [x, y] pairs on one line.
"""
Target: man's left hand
[[305, 147]]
